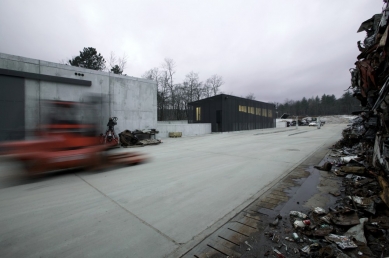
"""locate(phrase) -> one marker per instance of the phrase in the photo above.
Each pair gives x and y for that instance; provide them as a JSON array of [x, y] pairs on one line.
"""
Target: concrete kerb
[[187, 247], [275, 130], [260, 131]]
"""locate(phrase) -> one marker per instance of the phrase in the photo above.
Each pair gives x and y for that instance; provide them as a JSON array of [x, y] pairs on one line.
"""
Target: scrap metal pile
[[357, 223], [370, 84], [138, 138]]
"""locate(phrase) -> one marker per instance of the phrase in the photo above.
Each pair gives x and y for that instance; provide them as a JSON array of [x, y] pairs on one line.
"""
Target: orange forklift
[[63, 142]]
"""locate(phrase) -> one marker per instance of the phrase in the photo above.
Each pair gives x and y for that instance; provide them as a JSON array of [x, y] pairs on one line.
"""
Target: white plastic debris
[[326, 218], [298, 214], [299, 224], [347, 159], [319, 210], [357, 231], [248, 244], [306, 249]]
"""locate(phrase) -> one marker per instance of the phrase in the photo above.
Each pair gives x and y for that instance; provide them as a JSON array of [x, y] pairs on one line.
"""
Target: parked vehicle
[[314, 123]]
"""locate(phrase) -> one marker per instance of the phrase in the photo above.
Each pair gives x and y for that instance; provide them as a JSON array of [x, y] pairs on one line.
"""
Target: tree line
[[315, 106], [173, 97]]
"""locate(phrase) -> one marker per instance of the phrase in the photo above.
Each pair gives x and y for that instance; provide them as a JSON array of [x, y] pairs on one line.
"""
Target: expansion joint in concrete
[[129, 212], [317, 154]]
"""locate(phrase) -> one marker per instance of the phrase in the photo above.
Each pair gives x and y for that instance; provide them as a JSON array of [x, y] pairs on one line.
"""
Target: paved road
[[162, 208]]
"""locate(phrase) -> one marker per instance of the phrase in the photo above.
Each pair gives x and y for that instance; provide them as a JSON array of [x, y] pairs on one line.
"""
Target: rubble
[[357, 231], [319, 210], [343, 242], [138, 138], [357, 223]]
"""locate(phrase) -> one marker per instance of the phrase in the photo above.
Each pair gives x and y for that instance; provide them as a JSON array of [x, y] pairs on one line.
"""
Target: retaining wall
[[186, 129]]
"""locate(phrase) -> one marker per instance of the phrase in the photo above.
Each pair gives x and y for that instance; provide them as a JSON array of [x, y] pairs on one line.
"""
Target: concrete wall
[[132, 100], [174, 122], [186, 129], [280, 124]]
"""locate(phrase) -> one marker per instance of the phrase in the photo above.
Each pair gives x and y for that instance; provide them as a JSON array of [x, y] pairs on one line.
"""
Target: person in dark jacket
[[111, 124]]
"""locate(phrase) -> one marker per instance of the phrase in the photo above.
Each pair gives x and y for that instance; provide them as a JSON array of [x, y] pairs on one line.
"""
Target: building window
[[251, 110], [264, 112], [198, 113], [270, 113], [258, 113], [242, 108]]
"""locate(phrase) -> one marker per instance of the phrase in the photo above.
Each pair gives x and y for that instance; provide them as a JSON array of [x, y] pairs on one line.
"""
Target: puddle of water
[[301, 194]]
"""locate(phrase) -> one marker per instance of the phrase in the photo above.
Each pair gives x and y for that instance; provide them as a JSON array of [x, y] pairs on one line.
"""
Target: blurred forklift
[[67, 139]]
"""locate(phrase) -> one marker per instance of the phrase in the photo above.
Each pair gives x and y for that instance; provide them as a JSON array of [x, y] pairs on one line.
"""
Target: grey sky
[[276, 49]]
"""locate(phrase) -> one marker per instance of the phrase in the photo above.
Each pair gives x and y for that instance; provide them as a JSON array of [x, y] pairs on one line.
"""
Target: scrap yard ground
[[190, 188]]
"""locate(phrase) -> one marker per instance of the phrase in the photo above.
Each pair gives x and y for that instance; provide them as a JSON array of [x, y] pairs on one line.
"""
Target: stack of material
[[175, 134], [128, 138], [369, 78], [370, 83]]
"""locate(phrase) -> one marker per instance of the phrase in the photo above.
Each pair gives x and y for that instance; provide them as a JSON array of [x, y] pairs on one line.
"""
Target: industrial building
[[228, 113]]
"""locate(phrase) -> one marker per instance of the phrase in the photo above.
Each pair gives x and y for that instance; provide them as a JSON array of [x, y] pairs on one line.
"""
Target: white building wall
[[186, 129]]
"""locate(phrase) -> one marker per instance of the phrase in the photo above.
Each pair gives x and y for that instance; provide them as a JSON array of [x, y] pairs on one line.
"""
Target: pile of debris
[[138, 138], [357, 225]]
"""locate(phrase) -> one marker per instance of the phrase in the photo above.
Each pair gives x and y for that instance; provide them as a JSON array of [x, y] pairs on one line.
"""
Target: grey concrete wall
[[186, 129], [280, 124], [174, 122], [132, 100]]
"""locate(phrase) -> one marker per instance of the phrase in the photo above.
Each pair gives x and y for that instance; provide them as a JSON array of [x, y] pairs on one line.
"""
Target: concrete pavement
[[162, 208]]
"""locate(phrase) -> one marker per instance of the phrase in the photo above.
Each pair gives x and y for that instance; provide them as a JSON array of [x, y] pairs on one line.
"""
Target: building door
[[12, 99], [219, 120]]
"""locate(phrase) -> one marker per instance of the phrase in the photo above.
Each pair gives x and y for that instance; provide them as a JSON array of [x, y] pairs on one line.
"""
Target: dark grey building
[[229, 113]]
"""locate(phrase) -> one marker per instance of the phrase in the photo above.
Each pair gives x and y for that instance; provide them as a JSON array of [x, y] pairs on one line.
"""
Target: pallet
[[175, 134]]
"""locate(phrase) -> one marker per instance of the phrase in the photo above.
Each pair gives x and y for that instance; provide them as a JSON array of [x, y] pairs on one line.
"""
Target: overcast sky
[[277, 50]]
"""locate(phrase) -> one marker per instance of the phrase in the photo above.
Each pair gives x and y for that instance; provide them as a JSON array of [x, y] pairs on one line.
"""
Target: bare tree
[[117, 64], [207, 89], [215, 82], [173, 98], [163, 95], [250, 96], [169, 66], [193, 86], [152, 74]]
